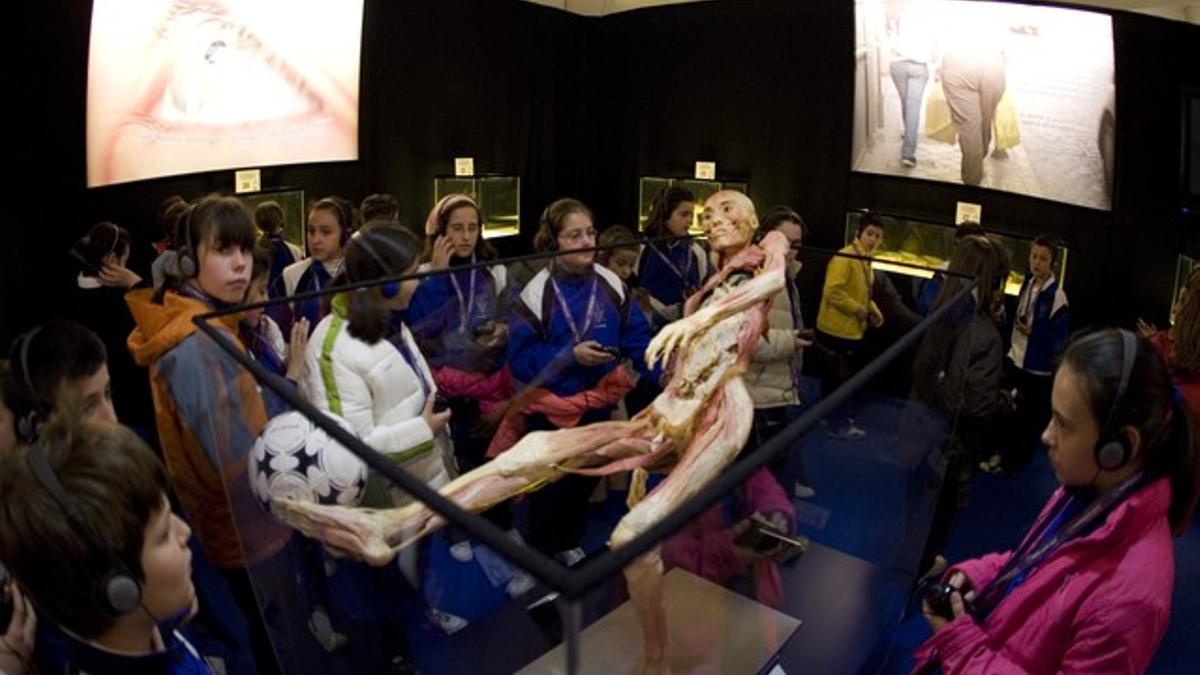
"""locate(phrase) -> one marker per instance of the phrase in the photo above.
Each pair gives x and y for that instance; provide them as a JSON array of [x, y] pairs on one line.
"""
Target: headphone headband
[[1113, 450], [1128, 356], [119, 589], [389, 289], [185, 256], [27, 425]]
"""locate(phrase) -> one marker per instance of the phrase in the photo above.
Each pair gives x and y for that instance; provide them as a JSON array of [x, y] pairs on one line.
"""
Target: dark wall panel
[[582, 106]]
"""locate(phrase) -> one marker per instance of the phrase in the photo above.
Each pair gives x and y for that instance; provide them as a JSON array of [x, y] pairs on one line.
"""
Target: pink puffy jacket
[[1100, 604]]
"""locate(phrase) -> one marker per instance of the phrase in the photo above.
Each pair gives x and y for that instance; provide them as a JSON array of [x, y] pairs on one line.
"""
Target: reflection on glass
[[292, 203], [650, 186], [919, 242], [499, 198]]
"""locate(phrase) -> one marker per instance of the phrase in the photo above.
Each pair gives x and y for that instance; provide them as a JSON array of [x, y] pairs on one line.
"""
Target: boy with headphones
[[87, 532], [53, 361]]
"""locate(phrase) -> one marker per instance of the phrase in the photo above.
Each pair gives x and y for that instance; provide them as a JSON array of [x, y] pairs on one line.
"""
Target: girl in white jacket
[[364, 365]]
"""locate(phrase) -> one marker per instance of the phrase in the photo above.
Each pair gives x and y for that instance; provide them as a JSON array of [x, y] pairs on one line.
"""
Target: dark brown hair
[[665, 203], [1149, 404], [1047, 242], [268, 217], [615, 236], [117, 485], [382, 249], [483, 250], [58, 351], [379, 206], [551, 222], [103, 239]]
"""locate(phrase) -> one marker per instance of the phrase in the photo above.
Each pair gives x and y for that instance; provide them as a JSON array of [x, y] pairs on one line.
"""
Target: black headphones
[[344, 216], [185, 255], [389, 289], [119, 591], [28, 424], [1113, 450]]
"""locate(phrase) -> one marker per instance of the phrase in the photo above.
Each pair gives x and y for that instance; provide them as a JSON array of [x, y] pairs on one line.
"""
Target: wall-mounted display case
[[1183, 268], [291, 200], [650, 186], [929, 244], [499, 198]]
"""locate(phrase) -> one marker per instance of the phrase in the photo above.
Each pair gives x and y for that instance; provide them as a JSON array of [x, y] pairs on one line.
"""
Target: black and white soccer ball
[[295, 458]]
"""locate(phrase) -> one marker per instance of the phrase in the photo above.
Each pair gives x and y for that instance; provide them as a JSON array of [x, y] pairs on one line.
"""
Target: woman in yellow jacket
[[846, 310]]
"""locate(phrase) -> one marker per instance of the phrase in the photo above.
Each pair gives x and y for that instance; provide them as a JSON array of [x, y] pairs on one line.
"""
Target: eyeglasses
[[576, 235]]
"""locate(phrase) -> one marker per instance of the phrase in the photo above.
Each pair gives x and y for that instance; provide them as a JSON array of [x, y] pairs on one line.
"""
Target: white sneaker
[[519, 585], [803, 491], [570, 557], [449, 623], [462, 551]]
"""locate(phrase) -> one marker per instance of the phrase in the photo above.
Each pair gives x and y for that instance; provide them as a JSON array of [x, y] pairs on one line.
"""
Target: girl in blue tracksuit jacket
[[571, 326]]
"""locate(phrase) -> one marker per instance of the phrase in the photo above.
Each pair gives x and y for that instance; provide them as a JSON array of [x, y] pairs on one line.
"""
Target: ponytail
[[1180, 464]]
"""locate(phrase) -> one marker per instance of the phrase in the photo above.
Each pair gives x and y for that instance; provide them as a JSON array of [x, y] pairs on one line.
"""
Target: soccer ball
[[295, 458]]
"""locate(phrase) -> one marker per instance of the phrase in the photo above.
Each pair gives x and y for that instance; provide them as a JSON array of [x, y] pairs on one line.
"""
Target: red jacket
[[1099, 604]]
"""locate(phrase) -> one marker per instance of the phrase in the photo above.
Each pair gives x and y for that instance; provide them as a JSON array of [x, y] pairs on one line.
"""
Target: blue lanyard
[[465, 307], [401, 345], [577, 333], [1042, 542]]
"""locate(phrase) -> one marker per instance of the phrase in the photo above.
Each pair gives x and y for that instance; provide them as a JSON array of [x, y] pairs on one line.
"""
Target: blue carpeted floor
[[872, 502]]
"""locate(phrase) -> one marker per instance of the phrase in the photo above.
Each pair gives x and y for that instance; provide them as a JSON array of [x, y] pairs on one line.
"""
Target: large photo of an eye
[[183, 86]]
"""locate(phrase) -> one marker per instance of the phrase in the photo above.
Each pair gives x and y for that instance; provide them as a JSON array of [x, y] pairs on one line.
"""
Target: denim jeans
[[910, 78]]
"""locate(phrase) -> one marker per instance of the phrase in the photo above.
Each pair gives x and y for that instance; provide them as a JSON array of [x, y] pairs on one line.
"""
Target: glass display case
[[499, 198], [750, 575], [291, 200], [927, 246], [1183, 268], [650, 186]]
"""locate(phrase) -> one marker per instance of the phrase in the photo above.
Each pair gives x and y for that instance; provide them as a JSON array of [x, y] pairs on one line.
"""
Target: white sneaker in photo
[[462, 552], [449, 623], [803, 491]]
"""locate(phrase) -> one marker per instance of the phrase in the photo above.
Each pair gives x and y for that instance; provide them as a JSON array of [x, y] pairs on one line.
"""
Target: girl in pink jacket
[[1088, 588]]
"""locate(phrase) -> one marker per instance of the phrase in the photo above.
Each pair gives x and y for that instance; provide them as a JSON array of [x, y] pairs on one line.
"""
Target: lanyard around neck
[[577, 333], [1037, 547], [402, 346], [687, 268], [465, 307]]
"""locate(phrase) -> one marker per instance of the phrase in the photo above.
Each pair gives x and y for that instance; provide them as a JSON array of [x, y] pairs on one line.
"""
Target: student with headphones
[[331, 221], [1041, 325], [364, 365], [98, 302], [671, 271], [569, 330], [457, 320], [48, 364], [1088, 587], [207, 410], [87, 533]]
